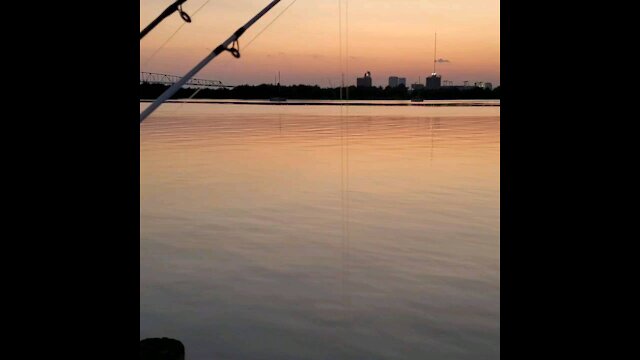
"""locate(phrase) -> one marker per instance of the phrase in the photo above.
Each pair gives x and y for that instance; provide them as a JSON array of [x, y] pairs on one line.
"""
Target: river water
[[321, 232]]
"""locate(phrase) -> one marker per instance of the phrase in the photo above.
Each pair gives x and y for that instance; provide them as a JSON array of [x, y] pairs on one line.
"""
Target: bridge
[[165, 79]]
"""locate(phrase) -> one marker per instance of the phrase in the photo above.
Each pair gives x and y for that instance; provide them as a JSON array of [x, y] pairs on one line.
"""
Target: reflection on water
[[276, 232]]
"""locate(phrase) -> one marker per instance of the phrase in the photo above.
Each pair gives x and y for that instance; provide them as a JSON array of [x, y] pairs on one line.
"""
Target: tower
[[434, 81]]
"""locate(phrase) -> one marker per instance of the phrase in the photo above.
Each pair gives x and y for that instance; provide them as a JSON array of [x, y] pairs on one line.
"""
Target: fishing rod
[[234, 50], [176, 6]]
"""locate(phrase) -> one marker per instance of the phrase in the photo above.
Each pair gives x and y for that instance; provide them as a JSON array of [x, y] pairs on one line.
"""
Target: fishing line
[[231, 45], [344, 174], [347, 168], [234, 50], [343, 214], [244, 48], [172, 35], [185, 101], [340, 51], [346, 15]]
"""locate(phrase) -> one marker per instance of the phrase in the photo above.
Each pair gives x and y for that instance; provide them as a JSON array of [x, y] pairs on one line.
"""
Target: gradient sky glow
[[386, 37]]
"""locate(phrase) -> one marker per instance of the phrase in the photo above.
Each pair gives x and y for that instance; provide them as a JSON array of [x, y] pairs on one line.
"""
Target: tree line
[[313, 92]]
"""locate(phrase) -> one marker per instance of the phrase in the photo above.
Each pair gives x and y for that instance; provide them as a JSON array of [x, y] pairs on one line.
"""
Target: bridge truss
[[166, 79]]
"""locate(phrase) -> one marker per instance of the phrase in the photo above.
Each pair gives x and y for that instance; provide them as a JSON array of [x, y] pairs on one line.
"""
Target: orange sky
[[386, 37]]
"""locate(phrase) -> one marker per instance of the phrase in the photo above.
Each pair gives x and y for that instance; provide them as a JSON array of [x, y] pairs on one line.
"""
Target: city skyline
[[400, 43]]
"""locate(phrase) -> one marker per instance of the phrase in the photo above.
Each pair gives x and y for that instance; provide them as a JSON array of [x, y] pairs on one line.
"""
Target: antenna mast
[[435, 43]]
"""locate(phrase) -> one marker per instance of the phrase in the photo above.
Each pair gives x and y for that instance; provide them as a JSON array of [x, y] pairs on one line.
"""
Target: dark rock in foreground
[[161, 349]]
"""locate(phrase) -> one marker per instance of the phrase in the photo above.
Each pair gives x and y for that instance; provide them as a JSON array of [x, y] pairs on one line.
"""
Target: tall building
[[365, 81], [402, 81], [434, 82]]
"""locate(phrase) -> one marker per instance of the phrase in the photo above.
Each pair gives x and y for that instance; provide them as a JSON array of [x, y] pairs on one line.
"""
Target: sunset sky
[[386, 37]]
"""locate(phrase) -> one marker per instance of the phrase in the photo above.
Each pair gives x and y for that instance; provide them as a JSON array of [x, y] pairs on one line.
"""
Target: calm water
[[321, 232]]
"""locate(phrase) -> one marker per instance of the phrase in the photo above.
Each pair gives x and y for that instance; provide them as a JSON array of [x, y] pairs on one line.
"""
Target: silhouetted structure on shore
[[434, 82], [395, 81], [308, 92], [365, 81]]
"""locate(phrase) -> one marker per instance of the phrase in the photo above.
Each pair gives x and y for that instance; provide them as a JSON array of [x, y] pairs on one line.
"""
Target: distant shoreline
[[334, 102], [310, 93]]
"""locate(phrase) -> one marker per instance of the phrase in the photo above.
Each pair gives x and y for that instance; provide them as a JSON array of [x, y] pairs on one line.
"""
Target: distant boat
[[278, 98]]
